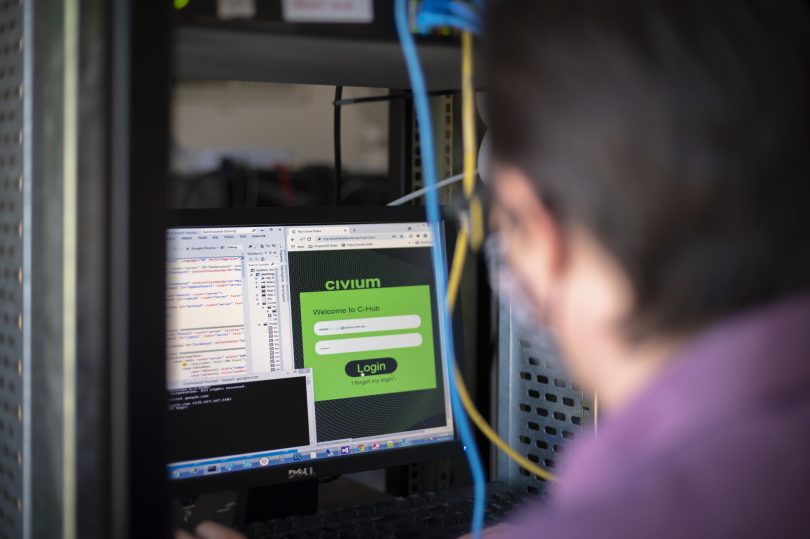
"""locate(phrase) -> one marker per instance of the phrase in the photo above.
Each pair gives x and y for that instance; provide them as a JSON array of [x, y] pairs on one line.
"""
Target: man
[[652, 198]]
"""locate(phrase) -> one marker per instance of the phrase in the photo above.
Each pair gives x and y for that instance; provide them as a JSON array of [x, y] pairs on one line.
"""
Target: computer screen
[[299, 343]]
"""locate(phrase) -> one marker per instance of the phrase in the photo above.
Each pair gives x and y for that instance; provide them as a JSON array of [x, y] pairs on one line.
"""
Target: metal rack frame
[[540, 410], [86, 97]]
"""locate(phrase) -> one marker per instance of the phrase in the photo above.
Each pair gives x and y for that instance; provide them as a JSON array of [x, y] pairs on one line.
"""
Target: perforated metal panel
[[11, 271], [539, 409]]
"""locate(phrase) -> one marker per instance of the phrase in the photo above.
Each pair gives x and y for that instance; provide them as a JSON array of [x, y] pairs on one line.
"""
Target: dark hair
[[676, 131]]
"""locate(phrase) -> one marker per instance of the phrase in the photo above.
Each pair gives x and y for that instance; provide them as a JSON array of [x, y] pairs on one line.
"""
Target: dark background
[[260, 416]]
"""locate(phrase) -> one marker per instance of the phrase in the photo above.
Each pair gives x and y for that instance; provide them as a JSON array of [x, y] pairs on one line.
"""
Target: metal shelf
[[219, 52]]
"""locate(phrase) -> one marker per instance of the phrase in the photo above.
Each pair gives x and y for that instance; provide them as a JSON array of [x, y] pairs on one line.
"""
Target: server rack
[[85, 130], [84, 160]]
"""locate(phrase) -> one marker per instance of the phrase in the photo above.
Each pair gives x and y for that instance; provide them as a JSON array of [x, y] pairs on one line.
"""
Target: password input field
[[367, 325], [368, 344]]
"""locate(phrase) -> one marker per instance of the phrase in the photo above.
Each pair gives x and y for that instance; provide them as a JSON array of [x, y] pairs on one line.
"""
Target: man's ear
[[542, 244]]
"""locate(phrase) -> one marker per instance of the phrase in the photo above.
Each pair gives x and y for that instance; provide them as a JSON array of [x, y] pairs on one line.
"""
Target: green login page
[[368, 341]]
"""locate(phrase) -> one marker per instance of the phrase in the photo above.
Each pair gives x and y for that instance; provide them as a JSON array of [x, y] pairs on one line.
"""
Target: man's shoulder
[[718, 445], [737, 480]]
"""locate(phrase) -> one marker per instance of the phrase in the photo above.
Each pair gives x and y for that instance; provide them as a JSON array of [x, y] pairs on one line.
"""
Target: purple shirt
[[717, 446]]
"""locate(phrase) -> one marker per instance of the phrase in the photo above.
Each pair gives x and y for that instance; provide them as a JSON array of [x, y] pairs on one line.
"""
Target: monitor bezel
[[324, 467]]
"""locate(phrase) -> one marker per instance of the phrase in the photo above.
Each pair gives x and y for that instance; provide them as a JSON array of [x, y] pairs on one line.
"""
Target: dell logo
[[300, 473]]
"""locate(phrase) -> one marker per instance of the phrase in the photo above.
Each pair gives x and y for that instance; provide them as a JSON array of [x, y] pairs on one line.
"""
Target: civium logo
[[352, 284]]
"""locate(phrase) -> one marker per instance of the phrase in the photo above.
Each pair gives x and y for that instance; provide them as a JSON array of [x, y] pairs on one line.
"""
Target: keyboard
[[434, 515]]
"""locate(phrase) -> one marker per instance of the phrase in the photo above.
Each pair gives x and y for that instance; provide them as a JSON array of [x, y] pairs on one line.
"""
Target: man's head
[[652, 162]]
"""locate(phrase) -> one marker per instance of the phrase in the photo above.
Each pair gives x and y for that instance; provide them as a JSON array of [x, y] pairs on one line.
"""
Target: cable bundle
[[432, 14]]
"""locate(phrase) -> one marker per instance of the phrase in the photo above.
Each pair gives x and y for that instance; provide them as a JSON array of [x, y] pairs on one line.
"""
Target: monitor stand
[[297, 497]]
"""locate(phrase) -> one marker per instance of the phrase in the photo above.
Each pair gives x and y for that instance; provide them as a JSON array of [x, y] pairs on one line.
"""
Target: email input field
[[367, 325]]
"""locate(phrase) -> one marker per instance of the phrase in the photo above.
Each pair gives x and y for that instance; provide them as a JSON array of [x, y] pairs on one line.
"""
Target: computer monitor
[[302, 343]]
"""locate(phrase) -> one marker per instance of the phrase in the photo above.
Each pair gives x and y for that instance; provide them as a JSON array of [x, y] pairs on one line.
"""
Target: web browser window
[[332, 330]]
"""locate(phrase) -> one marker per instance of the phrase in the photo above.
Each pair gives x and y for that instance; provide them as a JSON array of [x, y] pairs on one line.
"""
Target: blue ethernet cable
[[461, 10], [435, 14], [428, 21], [421, 105]]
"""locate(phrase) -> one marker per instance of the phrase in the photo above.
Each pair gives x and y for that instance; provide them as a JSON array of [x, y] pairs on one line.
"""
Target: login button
[[371, 367]]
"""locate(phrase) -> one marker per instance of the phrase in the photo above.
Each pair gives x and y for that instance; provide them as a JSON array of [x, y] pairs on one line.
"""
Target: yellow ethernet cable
[[475, 237]]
